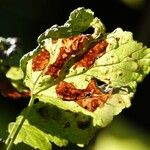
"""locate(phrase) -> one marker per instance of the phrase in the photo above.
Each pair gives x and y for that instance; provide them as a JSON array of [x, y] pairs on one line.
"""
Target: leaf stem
[[17, 126]]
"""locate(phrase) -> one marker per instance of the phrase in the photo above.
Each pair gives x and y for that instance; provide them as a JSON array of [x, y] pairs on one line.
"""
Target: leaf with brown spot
[[89, 98], [67, 68]]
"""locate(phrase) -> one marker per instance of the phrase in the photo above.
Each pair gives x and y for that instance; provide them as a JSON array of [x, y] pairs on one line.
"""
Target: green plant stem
[[16, 128]]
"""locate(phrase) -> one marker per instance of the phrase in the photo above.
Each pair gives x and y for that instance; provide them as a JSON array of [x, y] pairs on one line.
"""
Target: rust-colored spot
[[88, 59], [67, 91], [7, 90], [70, 46], [40, 61], [14, 94], [89, 98]]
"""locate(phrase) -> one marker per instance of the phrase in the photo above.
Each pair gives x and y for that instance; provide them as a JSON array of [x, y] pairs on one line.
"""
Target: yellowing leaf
[[82, 80]]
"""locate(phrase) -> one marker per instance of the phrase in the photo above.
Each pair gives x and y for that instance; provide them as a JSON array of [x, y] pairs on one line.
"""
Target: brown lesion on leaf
[[14, 94], [67, 91], [89, 98], [70, 46], [40, 61], [7, 90], [88, 59]]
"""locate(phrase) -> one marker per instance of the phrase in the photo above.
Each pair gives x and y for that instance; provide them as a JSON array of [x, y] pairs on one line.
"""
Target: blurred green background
[[27, 19]]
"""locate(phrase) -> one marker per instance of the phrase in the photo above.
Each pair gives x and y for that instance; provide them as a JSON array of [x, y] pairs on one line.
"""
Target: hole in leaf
[[120, 74], [119, 102], [83, 124], [90, 30], [88, 94], [99, 82], [105, 88], [130, 56]]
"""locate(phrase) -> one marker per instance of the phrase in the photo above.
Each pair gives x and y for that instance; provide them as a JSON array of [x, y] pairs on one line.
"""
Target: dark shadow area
[[9, 109], [139, 110]]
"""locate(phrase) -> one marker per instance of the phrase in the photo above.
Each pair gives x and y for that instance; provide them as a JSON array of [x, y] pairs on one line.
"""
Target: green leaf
[[30, 135], [125, 64], [79, 21], [14, 73], [91, 75], [15, 76], [50, 47], [57, 125]]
